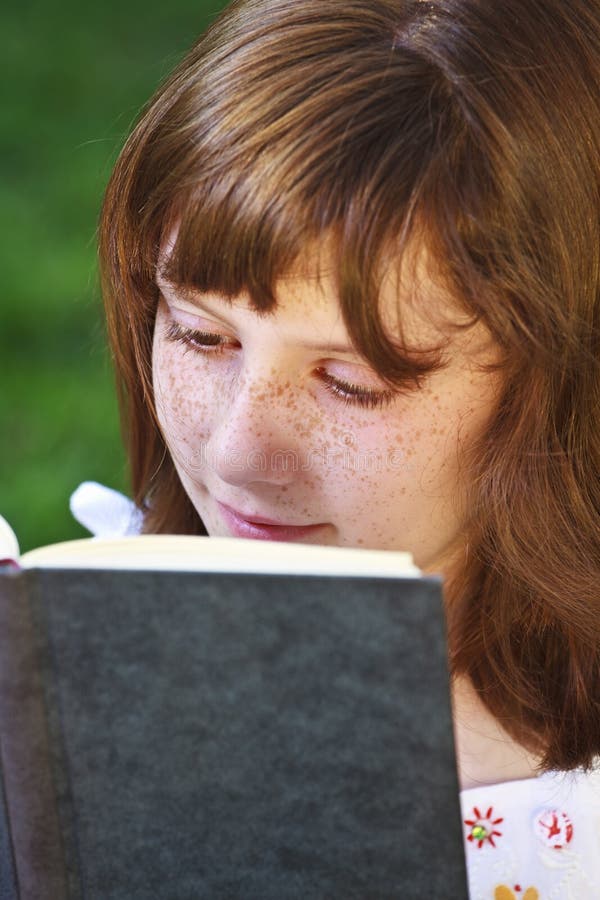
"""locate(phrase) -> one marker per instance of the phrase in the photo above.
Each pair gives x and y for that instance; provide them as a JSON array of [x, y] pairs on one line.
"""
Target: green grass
[[74, 77]]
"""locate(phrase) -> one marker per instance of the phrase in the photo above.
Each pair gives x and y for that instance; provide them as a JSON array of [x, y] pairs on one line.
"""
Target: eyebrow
[[331, 348], [169, 290]]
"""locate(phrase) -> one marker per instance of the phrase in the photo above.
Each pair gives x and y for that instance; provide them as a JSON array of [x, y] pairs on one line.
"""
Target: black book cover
[[257, 737]]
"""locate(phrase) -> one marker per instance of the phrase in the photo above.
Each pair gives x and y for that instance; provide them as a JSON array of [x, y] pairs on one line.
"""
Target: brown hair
[[475, 128]]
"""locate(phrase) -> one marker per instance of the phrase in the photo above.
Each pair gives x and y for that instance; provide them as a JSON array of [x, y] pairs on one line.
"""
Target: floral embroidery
[[503, 892], [482, 827], [553, 828]]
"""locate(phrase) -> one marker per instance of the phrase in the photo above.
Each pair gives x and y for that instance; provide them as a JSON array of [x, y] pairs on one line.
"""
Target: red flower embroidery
[[554, 828], [482, 828]]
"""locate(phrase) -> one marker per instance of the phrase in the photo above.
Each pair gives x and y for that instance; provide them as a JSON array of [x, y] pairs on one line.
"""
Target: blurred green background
[[75, 76]]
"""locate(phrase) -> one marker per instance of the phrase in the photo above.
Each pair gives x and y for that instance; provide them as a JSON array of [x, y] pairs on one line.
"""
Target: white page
[[221, 554]]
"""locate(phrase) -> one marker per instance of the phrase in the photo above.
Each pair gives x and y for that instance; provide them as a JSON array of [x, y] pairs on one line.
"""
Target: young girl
[[351, 260]]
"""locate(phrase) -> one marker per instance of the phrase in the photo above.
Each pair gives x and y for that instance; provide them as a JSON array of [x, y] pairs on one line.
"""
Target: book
[[191, 717]]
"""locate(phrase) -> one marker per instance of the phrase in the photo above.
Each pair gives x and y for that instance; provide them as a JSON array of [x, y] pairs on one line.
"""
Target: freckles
[[310, 425], [189, 406], [183, 407]]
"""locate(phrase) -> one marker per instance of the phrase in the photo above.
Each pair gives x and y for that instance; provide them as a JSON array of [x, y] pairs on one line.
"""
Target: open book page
[[220, 554], [9, 546]]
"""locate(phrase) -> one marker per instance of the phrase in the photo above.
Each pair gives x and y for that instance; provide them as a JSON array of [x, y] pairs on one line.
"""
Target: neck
[[485, 753]]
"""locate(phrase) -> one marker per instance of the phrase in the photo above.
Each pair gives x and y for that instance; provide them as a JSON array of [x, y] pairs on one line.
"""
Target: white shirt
[[536, 839], [105, 512]]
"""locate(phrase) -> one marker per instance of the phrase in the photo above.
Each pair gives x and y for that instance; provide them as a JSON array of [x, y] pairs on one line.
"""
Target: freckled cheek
[[439, 446], [184, 397]]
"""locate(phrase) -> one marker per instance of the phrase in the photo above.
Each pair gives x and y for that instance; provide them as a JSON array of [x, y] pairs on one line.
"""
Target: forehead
[[417, 302]]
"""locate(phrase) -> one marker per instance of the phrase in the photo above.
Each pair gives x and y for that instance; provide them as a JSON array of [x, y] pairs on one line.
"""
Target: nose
[[254, 433]]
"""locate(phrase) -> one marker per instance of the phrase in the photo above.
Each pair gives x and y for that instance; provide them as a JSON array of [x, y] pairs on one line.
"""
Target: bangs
[[243, 244], [332, 165]]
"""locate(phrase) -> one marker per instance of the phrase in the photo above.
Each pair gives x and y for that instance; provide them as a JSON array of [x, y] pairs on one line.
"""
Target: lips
[[264, 528]]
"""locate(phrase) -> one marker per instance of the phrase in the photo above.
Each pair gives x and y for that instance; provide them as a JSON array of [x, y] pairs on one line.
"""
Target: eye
[[200, 341], [213, 343], [356, 394]]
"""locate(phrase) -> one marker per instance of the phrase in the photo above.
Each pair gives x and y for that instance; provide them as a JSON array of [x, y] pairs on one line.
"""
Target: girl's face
[[279, 430]]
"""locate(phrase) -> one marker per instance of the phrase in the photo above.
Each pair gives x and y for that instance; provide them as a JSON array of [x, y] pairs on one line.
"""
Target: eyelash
[[351, 394], [201, 341]]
